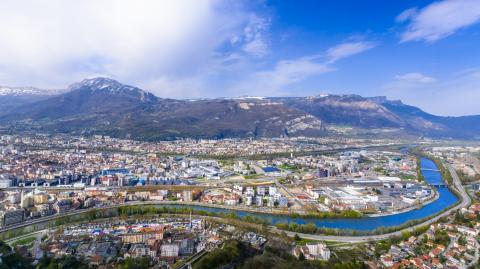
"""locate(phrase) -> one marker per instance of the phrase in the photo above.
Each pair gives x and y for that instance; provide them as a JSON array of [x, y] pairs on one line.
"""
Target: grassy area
[[420, 176], [351, 254], [407, 177], [252, 176], [232, 252], [24, 241], [276, 254]]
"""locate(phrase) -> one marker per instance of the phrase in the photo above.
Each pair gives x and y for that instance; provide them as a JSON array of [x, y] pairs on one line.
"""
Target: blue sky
[[422, 52]]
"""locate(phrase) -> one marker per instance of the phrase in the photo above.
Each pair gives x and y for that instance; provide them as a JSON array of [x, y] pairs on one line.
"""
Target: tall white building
[[272, 190], [5, 183], [271, 201], [248, 200], [259, 200], [249, 191], [169, 250], [187, 196], [319, 251], [261, 190]]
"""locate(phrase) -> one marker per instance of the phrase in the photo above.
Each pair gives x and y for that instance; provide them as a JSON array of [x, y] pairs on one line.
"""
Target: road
[[465, 202], [188, 263], [15, 239], [136, 203], [278, 184]]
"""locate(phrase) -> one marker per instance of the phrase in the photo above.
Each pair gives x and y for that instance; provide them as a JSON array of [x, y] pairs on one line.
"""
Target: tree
[[10, 259], [297, 238], [135, 263], [233, 252], [65, 262], [301, 257], [441, 237]]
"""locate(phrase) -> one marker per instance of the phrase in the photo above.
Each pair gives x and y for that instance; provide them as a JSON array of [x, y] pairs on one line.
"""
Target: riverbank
[[463, 203], [335, 228], [136, 211], [350, 214], [429, 200]]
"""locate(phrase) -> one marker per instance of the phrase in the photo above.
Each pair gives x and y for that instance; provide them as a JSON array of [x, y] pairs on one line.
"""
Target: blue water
[[446, 198]]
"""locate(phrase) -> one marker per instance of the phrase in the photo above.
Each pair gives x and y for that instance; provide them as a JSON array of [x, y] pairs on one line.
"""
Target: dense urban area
[[101, 202], [239, 134]]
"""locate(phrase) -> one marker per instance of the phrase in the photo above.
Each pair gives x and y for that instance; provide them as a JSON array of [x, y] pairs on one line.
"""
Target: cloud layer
[[52, 43], [181, 49], [439, 19], [347, 49], [212, 48], [415, 77], [285, 73], [454, 95]]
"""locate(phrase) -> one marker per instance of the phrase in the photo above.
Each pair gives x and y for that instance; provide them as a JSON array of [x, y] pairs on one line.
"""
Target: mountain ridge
[[106, 106]]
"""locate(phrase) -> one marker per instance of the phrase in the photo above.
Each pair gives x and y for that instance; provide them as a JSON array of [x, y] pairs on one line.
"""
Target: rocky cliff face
[[107, 106]]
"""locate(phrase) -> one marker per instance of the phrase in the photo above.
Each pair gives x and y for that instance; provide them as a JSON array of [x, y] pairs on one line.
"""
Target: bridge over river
[[430, 169], [446, 200]]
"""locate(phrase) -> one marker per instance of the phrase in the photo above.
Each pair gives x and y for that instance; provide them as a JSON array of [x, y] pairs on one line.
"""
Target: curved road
[[465, 202]]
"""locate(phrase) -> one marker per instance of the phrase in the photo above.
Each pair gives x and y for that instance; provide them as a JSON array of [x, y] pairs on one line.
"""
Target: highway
[[465, 202]]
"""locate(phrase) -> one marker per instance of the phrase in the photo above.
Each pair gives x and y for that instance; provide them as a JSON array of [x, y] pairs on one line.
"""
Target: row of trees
[[330, 215], [235, 254], [279, 258], [11, 259], [232, 253], [420, 176], [312, 229]]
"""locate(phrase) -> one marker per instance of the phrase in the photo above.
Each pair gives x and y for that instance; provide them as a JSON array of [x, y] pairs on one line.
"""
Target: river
[[446, 199]]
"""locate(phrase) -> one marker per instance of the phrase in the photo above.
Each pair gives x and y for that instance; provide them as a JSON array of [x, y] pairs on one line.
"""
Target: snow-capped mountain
[[22, 91], [12, 97], [101, 85], [106, 106]]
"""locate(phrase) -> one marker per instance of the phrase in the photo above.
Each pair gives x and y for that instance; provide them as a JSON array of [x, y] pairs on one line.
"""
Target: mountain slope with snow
[[106, 106]]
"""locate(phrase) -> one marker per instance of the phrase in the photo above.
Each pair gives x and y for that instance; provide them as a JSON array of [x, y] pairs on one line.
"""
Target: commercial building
[[10, 217], [187, 196], [169, 250]]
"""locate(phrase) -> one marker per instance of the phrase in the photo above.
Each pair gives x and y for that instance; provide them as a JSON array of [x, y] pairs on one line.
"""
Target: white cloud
[[54, 43], [439, 19], [276, 80], [407, 14], [408, 82], [347, 49], [285, 73], [453, 95], [255, 40], [415, 77], [174, 87], [180, 49]]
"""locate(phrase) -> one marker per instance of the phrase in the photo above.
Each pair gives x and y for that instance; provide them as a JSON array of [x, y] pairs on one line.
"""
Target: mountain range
[[11, 97], [105, 106]]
